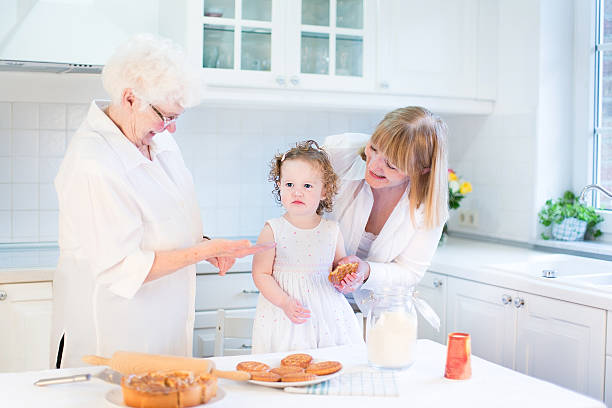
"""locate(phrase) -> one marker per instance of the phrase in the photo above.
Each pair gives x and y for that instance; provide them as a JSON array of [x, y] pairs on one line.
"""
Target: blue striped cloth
[[360, 383]]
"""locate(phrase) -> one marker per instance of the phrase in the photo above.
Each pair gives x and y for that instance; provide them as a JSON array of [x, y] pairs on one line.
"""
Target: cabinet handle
[[246, 346], [3, 295], [249, 291], [294, 80], [384, 85], [506, 299], [280, 80], [519, 302], [437, 283]]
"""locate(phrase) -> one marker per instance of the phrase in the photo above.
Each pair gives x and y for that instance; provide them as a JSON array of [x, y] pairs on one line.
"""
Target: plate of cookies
[[295, 370]]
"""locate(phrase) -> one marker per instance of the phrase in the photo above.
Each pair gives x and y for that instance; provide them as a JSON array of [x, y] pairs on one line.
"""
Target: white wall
[[227, 151], [496, 153]]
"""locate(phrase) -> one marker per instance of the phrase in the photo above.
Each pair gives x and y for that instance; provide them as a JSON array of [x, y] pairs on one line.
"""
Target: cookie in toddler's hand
[[341, 271]]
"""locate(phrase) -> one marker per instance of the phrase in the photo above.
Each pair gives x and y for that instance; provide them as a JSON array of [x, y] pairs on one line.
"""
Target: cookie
[[252, 366], [287, 370], [324, 367], [299, 360], [265, 376], [341, 271], [297, 377]]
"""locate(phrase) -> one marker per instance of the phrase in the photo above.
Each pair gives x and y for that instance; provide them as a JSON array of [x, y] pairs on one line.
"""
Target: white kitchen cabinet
[[550, 339], [437, 48], [284, 44], [561, 342], [25, 318], [432, 289], [486, 313], [234, 292]]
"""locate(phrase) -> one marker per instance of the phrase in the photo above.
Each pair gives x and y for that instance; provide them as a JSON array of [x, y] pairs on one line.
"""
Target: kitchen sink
[[562, 266], [593, 280]]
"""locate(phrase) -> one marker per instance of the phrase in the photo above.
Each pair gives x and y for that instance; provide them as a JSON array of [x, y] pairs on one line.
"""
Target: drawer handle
[[3, 295], [437, 283], [250, 291], [246, 346]]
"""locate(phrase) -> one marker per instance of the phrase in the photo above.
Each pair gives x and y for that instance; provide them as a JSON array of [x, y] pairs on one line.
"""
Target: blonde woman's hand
[[294, 310], [353, 281]]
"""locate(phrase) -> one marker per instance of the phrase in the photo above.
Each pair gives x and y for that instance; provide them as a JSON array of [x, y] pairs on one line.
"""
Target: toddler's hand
[[353, 281], [294, 310]]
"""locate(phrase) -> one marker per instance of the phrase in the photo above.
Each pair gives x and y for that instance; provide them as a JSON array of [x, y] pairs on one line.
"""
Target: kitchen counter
[[422, 385], [460, 257], [20, 263]]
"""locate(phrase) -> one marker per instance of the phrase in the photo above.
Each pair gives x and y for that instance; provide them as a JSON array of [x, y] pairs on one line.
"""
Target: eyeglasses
[[168, 120]]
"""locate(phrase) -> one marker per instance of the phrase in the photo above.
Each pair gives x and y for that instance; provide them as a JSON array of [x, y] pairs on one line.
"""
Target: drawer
[[204, 320], [205, 330], [204, 343], [232, 291]]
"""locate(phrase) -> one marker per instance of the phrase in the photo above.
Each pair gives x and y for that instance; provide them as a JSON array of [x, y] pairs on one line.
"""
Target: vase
[[570, 229]]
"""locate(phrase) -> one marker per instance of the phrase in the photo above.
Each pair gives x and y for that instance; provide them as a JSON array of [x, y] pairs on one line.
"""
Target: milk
[[392, 340]]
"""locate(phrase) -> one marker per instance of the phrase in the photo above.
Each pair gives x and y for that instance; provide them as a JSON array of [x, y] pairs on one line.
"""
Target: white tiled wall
[[227, 151]]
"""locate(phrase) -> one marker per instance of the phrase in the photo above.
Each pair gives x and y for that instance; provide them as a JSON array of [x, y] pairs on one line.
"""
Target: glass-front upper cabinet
[[333, 41], [287, 43], [241, 35]]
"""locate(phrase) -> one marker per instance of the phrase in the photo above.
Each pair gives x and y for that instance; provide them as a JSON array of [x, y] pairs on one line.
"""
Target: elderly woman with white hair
[[130, 230]]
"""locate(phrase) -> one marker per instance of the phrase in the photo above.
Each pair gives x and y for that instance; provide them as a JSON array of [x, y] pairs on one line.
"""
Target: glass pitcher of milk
[[391, 328]]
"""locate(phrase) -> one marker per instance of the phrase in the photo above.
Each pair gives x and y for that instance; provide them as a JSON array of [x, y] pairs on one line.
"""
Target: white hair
[[156, 69]]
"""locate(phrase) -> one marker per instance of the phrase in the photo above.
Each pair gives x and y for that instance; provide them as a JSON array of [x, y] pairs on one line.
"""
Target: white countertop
[[459, 257], [422, 385]]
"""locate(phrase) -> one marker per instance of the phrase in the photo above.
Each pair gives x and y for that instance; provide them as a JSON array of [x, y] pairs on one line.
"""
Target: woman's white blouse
[[116, 208], [401, 253]]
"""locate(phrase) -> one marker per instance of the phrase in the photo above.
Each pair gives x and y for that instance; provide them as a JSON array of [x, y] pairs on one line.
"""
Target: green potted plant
[[569, 218]]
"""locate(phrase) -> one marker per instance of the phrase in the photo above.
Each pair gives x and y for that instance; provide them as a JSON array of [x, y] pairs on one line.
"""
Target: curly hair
[[310, 152]]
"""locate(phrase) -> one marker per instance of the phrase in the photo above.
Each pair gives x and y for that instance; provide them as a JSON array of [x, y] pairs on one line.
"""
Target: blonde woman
[[393, 197], [130, 230]]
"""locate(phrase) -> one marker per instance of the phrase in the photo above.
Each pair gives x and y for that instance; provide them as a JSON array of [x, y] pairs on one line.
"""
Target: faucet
[[594, 187]]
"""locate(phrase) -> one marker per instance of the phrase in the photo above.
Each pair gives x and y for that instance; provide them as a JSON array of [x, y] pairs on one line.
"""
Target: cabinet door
[[25, 318], [232, 291], [432, 289], [481, 311], [428, 47], [563, 343], [330, 44], [239, 43]]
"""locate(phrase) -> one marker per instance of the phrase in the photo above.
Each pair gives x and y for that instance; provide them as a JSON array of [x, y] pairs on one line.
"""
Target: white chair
[[233, 336]]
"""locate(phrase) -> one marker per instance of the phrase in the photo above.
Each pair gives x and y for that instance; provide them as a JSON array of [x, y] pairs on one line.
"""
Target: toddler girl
[[298, 307]]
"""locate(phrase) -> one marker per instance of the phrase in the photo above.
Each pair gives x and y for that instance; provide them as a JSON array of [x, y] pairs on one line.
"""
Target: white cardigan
[[400, 254]]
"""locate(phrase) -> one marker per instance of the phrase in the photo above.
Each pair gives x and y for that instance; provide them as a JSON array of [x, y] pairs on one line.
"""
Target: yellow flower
[[452, 176], [465, 188]]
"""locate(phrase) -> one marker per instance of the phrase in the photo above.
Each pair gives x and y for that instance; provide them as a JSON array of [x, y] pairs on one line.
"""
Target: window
[[602, 141]]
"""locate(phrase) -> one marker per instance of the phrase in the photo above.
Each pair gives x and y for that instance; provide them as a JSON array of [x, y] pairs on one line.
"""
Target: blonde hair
[[310, 152], [156, 69], [414, 140]]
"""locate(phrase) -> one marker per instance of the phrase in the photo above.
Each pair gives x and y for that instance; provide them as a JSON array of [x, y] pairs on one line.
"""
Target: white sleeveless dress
[[302, 264]]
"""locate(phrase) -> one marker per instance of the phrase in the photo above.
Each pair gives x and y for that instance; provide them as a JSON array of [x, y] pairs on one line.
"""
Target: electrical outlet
[[468, 218]]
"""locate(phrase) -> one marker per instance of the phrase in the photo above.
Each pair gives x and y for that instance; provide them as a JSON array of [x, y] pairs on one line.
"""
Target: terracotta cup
[[458, 362]]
